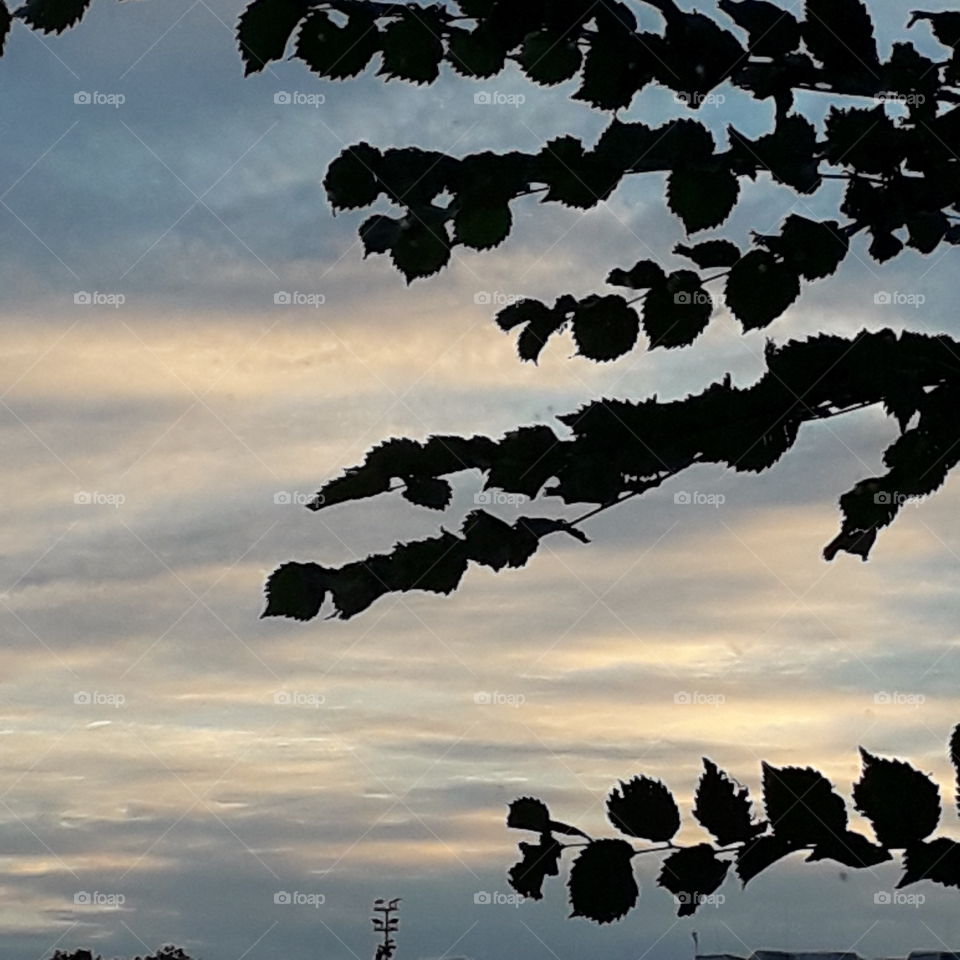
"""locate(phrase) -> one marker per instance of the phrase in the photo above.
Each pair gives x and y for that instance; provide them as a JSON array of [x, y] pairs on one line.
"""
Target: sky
[[172, 764]]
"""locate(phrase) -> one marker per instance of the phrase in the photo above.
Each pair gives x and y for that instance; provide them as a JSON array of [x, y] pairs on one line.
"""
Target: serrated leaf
[[481, 224], [6, 20], [702, 196], [605, 328], [528, 813], [477, 53], [676, 311], [430, 492], [539, 861], [759, 289], [901, 803], [801, 805], [839, 33], [643, 274], [710, 253], [723, 807], [51, 16], [938, 860], [264, 28], [645, 808], [548, 57], [379, 233], [335, 51], [760, 853], [602, 885], [852, 850], [351, 180], [412, 47], [691, 875], [421, 249], [812, 248], [774, 32], [296, 590]]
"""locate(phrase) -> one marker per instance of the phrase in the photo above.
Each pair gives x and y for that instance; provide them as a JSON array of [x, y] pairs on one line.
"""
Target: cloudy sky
[[170, 762]]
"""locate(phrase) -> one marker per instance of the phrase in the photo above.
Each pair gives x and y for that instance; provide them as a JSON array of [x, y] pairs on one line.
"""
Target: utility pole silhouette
[[386, 924]]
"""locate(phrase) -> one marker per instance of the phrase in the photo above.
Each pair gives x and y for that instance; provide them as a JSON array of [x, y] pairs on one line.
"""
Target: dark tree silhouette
[[901, 192], [164, 953], [803, 813], [387, 924]]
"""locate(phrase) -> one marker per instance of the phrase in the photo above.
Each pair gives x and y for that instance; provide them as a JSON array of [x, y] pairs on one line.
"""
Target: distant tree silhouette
[[386, 924], [803, 813], [164, 953], [901, 192]]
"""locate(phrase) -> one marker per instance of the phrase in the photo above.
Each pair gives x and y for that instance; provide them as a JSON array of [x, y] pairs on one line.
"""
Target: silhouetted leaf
[[759, 289], [723, 807], [864, 139], [6, 21], [412, 48], [421, 249], [643, 807], [901, 803], [352, 178], [539, 861], [801, 805], [263, 31], [852, 850], [548, 57], [938, 860], [51, 16], [605, 328], [296, 590], [481, 224], [955, 760], [692, 874], [676, 311], [528, 813], [710, 253], [643, 274], [756, 855], [839, 33], [814, 250], [702, 195], [336, 51], [475, 53], [773, 31], [379, 233], [428, 492], [602, 885]]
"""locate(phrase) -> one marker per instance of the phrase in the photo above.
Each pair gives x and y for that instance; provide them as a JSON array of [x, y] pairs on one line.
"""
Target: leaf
[[264, 28], [938, 860], [676, 311], [702, 195], [812, 249], [774, 32], [901, 803], [379, 233], [852, 850], [352, 179], [412, 48], [617, 65], [602, 885], [51, 16], [955, 760], [548, 57], [885, 246], [722, 806], [528, 813], [756, 855], [759, 289], [645, 808], [335, 51], [296, 590], [839, 33], [605, 328], [481, 224], [539, 861], [710, 253], [864, 139], [574, 177], [421, 249], [643, 274], [476, 53], [802, 806], [430, 492], [6, 20], [691, 875]]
